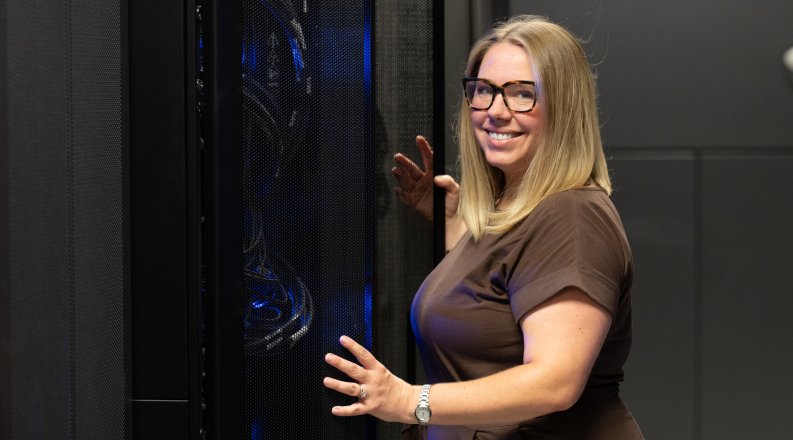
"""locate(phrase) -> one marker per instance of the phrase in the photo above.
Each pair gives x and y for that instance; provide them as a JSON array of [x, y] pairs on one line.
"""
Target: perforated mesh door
[[62, 175], [308, 246], [321, 228]]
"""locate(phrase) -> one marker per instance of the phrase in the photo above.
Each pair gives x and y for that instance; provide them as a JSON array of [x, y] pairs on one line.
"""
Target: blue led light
[[367, 53], [297, 57], [367, 315], [250, 56], [256, 430]]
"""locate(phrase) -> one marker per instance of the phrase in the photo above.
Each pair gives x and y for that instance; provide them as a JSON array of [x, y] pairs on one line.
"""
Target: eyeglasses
[[519, 95]]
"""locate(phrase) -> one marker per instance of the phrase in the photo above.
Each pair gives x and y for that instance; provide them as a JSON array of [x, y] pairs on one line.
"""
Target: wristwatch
[[423, 412]]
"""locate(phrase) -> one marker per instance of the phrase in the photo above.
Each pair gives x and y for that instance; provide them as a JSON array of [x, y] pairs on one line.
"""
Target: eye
[[522, 92], [525, 94], [483, 89]]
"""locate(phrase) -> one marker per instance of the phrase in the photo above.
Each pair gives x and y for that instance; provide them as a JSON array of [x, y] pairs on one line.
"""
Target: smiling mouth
[[502, 136]]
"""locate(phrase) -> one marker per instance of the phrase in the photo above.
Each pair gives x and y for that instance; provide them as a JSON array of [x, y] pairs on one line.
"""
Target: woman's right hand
[[415, 185]]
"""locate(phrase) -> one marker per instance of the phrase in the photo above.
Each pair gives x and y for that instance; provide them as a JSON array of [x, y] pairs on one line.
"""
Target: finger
[[356, 409], [401, 159], [452, 199], [448, 183], [360, 352], [426, 152], [351, 369], [408, 166], [348, 388]]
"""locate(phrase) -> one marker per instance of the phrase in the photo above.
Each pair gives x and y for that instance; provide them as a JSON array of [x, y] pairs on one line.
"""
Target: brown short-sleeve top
[[466, 314]]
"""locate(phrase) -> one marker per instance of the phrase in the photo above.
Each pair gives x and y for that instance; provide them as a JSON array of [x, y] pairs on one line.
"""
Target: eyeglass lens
[[517, 96]]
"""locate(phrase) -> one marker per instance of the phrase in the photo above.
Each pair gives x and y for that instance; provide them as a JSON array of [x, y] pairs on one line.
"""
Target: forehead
[[506, 61]]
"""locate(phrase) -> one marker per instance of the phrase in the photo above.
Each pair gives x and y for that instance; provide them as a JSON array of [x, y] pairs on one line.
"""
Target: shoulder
[[573, 238], [575, 199], [583, 220], [571, 209]]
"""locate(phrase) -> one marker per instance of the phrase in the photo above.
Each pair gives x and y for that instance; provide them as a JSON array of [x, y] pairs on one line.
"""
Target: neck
[[507, 195], [505, 199]]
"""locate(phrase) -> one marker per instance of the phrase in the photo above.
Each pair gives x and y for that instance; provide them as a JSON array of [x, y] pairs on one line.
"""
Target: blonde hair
[[569, 151]]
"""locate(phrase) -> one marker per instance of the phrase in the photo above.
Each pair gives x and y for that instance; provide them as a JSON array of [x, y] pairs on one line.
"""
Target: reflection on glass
[[278, 306]]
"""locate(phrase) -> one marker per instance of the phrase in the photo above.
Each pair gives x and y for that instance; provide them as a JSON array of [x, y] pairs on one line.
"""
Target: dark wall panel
[[747, 293], [654, 195], [685, 74]]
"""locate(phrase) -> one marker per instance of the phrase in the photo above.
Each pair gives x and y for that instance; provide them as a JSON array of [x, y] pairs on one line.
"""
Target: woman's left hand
[[379, 392]]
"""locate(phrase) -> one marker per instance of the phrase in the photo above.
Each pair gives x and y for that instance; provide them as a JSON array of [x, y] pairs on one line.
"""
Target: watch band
[[423, 412], [424, 397]]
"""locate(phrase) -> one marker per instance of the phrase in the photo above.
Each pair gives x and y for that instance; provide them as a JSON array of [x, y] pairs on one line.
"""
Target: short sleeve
[[572, 239]]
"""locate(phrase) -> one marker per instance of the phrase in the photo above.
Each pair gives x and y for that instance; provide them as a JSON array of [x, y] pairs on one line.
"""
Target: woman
[[525, 325]]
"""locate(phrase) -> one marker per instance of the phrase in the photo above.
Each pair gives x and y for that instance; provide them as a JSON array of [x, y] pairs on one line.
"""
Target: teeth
[[501, 136]]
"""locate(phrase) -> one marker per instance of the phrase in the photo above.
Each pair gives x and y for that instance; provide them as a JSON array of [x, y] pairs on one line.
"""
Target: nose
[[498, 110]]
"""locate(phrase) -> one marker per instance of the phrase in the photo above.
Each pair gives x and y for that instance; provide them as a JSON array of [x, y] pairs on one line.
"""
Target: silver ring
[[362, 394]]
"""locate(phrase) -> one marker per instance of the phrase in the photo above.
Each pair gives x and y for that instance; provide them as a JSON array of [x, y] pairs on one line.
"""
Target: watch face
[[423, 413]]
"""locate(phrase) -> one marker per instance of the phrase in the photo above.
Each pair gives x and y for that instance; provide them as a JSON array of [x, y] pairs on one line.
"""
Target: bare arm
[[562, 338]]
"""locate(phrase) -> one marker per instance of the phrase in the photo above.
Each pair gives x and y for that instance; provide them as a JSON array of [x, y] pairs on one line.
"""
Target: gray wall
[[697, 117]]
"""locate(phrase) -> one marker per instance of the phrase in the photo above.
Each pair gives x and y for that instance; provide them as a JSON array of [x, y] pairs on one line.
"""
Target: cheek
[[476, 124], [535, 120], [477, 119]]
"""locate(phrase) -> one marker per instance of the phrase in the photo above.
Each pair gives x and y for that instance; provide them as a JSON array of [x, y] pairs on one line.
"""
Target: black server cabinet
[[196, 204], [316, 221], [262, 137], [323, 107]]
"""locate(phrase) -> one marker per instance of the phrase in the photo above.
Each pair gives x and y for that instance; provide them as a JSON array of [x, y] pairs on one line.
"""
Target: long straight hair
[[569, 151]]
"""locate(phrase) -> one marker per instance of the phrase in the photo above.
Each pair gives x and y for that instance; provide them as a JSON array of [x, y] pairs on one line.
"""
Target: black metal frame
[[164, 211], [222, 235], [126, 217], [439, 127]]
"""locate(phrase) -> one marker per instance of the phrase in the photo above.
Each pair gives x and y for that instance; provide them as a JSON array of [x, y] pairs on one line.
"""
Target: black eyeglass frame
[[497, 90]]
